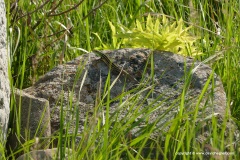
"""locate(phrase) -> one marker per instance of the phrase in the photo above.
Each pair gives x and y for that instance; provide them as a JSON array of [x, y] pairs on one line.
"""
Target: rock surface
[[35, 120], [77, 85], [4, 80]]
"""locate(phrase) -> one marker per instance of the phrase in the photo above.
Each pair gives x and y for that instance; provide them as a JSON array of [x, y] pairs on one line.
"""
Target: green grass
[[38, 42]]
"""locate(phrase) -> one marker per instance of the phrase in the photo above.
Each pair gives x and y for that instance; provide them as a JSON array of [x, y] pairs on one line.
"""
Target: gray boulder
[[76, 87], [4, 80]]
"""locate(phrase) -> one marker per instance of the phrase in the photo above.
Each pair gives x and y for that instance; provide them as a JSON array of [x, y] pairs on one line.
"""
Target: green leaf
[[149, 24], [139, 26], [158, 34], [113, 29]]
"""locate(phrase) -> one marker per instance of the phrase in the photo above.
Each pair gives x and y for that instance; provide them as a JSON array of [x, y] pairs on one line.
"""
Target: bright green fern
[[157, 34]]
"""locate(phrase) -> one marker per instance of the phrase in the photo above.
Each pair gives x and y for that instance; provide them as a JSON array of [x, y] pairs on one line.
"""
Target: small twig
[[52, 42], [40, 7], [54, 8], [74, 7], [68, 29], [38, 22], [94, 9]]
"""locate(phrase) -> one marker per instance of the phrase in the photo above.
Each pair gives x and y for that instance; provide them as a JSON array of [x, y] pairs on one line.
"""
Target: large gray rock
[[4, 80], [66, 87]]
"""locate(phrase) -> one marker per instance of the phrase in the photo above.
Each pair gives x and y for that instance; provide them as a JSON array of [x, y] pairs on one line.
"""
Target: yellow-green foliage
[[161, 35]]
